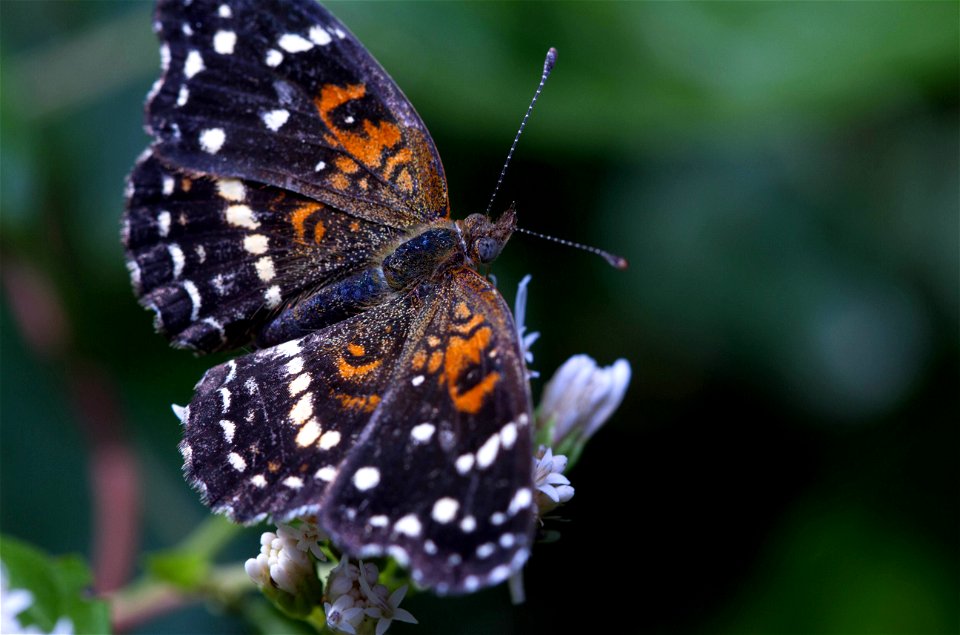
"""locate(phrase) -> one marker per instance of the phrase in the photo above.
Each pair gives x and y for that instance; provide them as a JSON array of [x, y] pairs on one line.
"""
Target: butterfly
[[293, 202]]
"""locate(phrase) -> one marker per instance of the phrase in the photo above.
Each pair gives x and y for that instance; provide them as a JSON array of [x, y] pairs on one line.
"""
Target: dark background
[[783, 178]]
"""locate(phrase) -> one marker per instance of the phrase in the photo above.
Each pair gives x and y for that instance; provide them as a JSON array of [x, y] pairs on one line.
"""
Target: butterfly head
[[485, 238]]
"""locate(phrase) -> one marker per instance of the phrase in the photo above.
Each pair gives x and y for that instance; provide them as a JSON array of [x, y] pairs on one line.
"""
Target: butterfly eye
[[487, 249]]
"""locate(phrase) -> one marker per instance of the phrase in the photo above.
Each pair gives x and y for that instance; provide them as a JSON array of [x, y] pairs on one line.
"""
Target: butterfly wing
[[405, 428], [214, 258], [281, 93]]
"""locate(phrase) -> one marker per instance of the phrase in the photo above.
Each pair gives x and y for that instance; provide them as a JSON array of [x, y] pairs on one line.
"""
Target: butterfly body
[[293, 201]]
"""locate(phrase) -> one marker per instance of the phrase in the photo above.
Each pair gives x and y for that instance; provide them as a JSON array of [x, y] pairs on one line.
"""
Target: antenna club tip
[[618, 262], [550, 61]]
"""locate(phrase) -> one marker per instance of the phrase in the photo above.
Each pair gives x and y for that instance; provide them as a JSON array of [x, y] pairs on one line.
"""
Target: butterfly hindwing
[[266, 433], [405, 428], [283, 94]]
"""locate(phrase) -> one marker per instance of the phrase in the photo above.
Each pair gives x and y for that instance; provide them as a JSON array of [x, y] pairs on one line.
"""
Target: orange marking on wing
[[186, 184], [349, 371], [368, 146], [476, 320], [300, 216], [460, 355], [367, 403], [363, 184], [273, 467], [319, 230], [419, 359], [402, 156], [461, 311], [436, 358], [347, 165], [355, 226], [472, 400], [339, 181], [433, 340], [356, 349], [405, 181]]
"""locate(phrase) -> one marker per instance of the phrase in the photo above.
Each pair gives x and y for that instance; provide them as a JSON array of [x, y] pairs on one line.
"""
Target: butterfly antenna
[[547, 67], [614, 260]]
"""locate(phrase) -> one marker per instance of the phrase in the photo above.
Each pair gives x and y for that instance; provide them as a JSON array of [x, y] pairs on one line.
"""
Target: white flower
[[553, 488], [283, 557], [580, 398], [385, 609], [342, 615], [16, 601], [355, 599], [519, 316]]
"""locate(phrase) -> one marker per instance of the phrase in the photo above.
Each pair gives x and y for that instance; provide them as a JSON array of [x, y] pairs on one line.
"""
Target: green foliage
[[60, 588]]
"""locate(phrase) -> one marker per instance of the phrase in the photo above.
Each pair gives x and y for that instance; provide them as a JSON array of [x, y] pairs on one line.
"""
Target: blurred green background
[[783, 178]]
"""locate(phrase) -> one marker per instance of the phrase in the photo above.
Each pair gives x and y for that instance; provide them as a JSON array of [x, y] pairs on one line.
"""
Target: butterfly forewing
[[281, 93], [215, 257]]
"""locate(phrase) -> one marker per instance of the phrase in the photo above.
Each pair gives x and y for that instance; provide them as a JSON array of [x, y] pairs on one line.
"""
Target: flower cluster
[[284, 569], [13, 602], [355, 600]]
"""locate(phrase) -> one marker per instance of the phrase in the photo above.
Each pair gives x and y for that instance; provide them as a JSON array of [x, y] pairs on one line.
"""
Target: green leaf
[[59, 586]]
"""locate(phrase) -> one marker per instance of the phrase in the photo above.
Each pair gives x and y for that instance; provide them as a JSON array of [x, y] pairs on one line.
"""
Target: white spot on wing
[[256, 244], [488, 451], [508, 435], [329, 440], [224, 41], [320, 166], [302, 410], [486, 550], [194, 64], [211, 140], [293, 482], [416, 381], [299, 384], [498, 574], [308, 433], [288, 349], [326, 473], [176, 257], [224, 11], [520, 500], [271, 297], [422, 433], [366, 478], [319, 36], [507, 540], [265, 270], [225, 397], [293, 43], [163, 223], [273, 58], [168, 184], [295, 366], [237, 461], [229, 428], [464, 463], [241, 216], [408, 525], [471, 583], [379, 520], [231, 189], [275, 118], [468, 524], [258, 481], [445, 509], [194, 294]]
